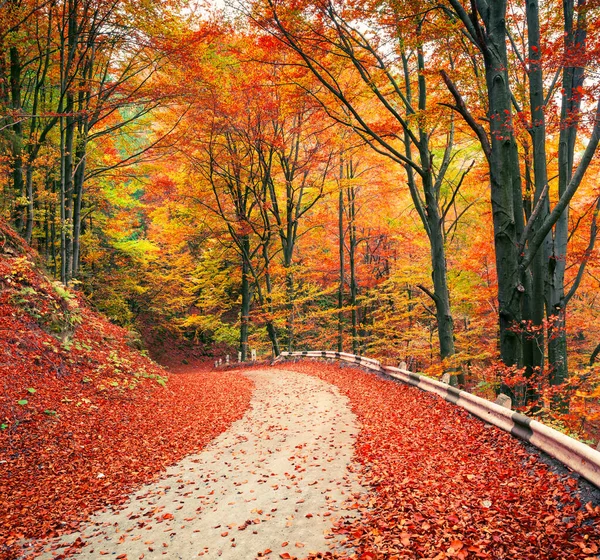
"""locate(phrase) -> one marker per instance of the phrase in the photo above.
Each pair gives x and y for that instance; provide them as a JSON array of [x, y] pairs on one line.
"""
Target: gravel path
[[275, 481]]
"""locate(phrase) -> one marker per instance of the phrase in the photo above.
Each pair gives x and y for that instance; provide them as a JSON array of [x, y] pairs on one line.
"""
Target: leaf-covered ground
[[446, 485], [84, 417]]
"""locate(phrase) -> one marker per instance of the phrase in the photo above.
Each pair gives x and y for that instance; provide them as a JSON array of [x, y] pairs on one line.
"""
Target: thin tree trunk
[[77, 203], [246, 296], [271, 330], [67, 194], [340, 325], [352, 246], [30, 204], [17, 141], [535, 365]]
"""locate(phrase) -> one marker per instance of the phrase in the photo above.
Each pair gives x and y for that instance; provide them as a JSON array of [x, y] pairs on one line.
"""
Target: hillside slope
[[84, 417]]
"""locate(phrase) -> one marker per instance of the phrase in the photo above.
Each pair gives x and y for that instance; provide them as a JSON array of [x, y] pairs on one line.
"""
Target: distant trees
[[373, 77], [261, 157]]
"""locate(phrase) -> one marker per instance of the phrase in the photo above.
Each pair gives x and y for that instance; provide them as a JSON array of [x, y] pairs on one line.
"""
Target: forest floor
[[273, 483], [340, 463]]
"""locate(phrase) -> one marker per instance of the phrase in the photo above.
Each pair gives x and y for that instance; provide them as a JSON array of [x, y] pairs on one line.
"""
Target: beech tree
[[72, 72], [264, 159], [356, 64], [530, 243]]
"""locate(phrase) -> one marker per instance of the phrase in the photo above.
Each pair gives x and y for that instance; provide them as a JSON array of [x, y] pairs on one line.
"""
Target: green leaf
[[31, 390], [3, 426], [50, 412], [22, 402]]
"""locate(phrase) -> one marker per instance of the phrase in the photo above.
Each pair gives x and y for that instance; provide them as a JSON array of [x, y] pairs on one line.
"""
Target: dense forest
[[413, 181]]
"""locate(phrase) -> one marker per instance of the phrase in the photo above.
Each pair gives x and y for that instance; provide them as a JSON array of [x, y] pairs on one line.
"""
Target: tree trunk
[[67, 194], [271, 330], [575, 46], [505, 182], [441, 293], [246, 297], [340, 325], [352, 245], [290, 296], [17, 141], [30, 203], [77, 203]]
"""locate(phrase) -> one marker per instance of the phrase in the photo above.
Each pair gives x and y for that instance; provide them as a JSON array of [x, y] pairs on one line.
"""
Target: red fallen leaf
[[589, 507], [456, 545], [122, 556], [224, 533], [367, 556], [284, 544], [167, 516], [286, 555], [309, 515]]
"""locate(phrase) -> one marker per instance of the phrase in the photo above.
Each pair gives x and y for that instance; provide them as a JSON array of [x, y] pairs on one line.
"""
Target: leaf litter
[[443, 484]]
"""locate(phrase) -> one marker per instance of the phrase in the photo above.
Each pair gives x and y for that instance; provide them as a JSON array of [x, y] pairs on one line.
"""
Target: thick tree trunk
[[505, 182]]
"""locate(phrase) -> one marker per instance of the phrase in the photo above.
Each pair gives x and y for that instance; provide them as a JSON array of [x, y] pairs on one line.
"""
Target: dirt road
[[275, 481]]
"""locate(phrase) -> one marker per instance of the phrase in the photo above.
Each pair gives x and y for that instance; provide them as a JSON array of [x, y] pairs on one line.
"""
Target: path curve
[[276, 480]]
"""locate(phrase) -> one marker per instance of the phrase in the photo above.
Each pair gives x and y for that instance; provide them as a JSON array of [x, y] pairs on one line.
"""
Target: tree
[[76, 71], [528, 245], [356, 66]]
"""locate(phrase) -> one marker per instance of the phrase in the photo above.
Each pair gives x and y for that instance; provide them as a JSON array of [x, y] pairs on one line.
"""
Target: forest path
[[277, 479]]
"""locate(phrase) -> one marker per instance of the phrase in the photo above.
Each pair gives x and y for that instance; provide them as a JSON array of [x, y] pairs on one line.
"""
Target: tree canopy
[[414, 181]]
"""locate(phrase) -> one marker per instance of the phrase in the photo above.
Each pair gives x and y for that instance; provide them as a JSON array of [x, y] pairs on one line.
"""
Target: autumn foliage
[[417, 182], [85, 417]]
